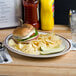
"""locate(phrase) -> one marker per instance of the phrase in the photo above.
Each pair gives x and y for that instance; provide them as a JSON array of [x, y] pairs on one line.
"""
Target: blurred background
[[62, 8]]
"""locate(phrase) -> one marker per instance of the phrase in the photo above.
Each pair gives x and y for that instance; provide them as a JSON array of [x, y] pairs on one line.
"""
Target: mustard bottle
[[47, 14]]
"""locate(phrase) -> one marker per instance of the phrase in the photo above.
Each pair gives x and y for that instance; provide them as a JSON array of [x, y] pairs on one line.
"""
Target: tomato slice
[[33, 34]]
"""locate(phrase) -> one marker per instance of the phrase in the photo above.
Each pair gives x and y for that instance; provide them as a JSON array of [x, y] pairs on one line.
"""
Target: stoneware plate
[[64, 42]]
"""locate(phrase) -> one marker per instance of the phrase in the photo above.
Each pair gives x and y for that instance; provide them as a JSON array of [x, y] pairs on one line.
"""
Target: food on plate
[[50, 50], [47, 43], [25, 33]]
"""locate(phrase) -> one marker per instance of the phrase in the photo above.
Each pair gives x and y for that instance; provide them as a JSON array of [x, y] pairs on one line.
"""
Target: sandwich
[[25, 33]]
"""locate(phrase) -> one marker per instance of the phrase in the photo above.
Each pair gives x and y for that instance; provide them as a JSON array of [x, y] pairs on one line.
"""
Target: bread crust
[[23, 31], [27, 25]]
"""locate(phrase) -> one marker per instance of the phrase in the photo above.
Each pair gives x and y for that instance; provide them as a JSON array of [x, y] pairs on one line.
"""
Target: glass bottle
[[31, 12]]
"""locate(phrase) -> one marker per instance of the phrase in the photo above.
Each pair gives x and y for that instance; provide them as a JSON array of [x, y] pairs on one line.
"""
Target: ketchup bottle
[[31, 12]]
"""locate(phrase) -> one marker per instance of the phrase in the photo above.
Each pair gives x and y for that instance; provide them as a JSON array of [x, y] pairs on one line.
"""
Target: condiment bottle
[[47, 14], [31, 12]]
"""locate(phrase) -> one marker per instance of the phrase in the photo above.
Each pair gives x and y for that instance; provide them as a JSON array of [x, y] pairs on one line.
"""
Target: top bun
[[23, 31], [27, 25]]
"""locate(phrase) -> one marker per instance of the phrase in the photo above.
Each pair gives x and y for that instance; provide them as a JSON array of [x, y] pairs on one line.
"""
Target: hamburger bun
[[23, 31]]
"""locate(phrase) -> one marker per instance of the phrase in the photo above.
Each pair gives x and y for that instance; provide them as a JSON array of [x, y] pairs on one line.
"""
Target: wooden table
[[23, 66]]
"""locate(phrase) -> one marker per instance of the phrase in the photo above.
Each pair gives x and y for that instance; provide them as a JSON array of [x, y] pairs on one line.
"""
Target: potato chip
[[33, 47]]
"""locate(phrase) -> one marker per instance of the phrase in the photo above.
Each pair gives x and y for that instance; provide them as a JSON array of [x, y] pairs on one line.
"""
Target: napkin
[[8, 57], [72, 48]]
